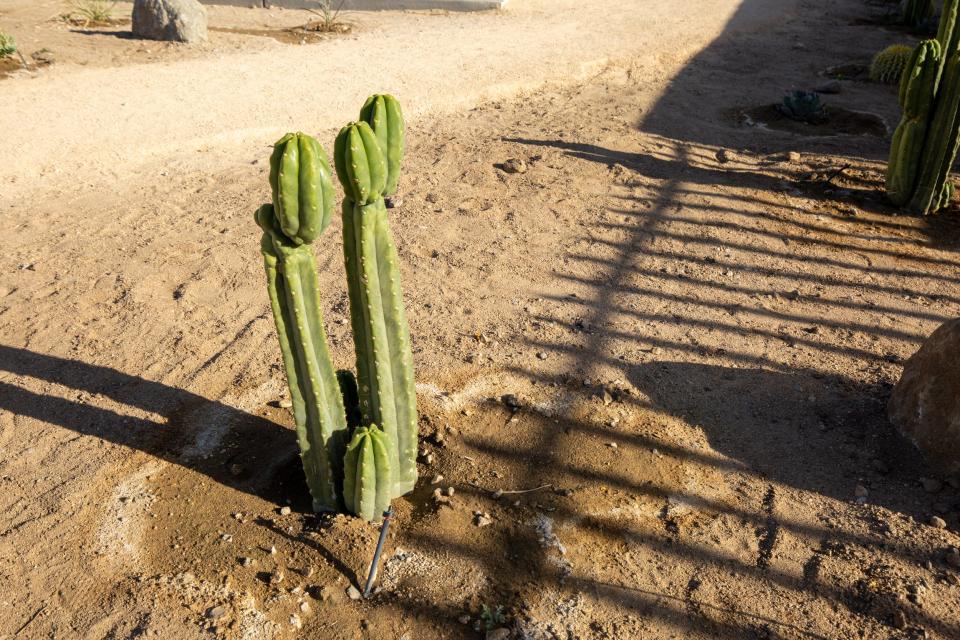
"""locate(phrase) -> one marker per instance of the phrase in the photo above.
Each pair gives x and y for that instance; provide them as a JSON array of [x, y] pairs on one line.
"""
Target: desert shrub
[[87, 12], [8, 45]]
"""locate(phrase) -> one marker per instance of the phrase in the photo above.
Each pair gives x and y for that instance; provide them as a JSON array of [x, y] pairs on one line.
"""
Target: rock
[[174, 20], [938, 523], [931, 485], [953, 558], [295, 621], [276, 577], [498, 634], [925, 405], [304, 607], [481, 519], [724, 156], [831, 87], [861, 491], [464, 619], [437, 479], [542, 355], [245, 561], [284, 511], [393, 202], [514, 165], [353, 593], [216, 612]]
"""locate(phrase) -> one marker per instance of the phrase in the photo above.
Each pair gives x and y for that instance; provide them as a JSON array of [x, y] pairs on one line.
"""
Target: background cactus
[[803, 106], [368, 476], [383, 114], [381, 337], [302, 195], [888, 65], [916, 11], [925, 142]]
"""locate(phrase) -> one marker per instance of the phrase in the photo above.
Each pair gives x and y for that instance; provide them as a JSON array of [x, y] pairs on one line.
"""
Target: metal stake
[[375, 565]]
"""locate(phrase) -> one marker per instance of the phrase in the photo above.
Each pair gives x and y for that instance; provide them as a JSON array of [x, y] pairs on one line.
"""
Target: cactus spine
[[380, 333], [925, 142], [368, 476], [301, 210]]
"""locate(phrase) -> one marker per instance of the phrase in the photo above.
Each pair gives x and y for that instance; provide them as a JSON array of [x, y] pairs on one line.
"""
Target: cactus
[[303, 200], [926, 140], [383, 114], [367, 479], [916, 11], [351, 398], [888, 65], [380, 334]]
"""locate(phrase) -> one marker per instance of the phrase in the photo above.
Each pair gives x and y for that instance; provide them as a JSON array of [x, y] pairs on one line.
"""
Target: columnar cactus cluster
[[925, 142], [379, 406], [916, 11]]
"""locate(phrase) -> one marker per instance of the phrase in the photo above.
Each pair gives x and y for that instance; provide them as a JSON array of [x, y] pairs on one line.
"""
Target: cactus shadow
[[249, 453]]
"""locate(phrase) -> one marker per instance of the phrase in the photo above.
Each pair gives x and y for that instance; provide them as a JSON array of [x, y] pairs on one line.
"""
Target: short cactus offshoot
[[301, 210], [888, 65], [368, 476]]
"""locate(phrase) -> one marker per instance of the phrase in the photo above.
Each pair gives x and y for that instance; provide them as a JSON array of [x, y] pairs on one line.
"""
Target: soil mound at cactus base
[[654, 351]]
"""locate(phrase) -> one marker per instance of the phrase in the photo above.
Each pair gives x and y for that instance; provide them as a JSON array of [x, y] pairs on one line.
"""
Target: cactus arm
[[383, 114], [404, 395], [382, 460]]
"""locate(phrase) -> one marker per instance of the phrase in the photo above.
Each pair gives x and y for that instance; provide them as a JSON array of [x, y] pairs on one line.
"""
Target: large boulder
[[176, 20], [925, 405]]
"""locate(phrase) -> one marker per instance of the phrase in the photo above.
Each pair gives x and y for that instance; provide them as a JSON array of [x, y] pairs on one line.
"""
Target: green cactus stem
[[933, 190], [916, 99], [305, 193], [367, 480], [380, 332], [383, 114]]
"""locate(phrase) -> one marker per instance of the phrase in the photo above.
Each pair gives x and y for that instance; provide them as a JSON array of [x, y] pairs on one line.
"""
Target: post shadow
[[260, 446]]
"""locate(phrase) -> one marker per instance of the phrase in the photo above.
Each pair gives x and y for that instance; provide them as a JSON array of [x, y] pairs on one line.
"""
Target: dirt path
[[700, 321], [207, 112]]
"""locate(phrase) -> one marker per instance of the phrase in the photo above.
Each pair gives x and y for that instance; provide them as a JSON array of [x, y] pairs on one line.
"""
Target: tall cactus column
[[381, 336], [301, 210]]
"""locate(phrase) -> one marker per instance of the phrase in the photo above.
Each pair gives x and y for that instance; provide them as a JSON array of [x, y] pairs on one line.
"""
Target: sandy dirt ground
[[675, 333]]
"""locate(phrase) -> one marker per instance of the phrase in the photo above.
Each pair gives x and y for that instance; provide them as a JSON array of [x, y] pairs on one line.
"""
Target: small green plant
[[329, 18], [8, 46], [888, 65], [492, 618], [90, 12], [803, 106]]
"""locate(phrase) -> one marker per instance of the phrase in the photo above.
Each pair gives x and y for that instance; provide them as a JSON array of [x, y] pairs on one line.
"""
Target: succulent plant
[[803, 106], [367, 479], [302, 195], [380, 333], [888, 65]]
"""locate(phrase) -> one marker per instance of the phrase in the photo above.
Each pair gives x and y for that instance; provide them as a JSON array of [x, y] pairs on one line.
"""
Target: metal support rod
[[375, 565]]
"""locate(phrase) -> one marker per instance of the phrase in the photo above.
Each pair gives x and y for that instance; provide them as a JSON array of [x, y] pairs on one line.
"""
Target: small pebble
[[953, 558], [437, 479], [938, 523], [514, 165], [276, 577], [612, 445], [353, 593], [304, 607], [216, 612], [541, 355], [481, 519], [245, 561], [284, 511], [450, 491], [295, 621], [273, 551], [464, 619]]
